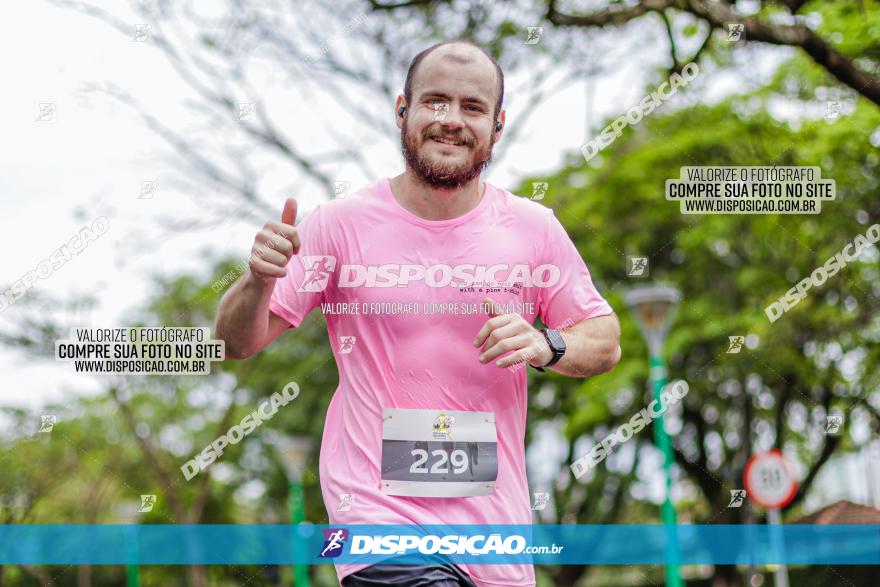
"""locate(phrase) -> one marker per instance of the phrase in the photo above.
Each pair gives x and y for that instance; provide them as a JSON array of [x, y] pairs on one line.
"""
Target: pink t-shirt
[[414, 356]]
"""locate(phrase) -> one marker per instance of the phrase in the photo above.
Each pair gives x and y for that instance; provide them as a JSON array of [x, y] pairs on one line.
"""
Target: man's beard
[[438, 174]]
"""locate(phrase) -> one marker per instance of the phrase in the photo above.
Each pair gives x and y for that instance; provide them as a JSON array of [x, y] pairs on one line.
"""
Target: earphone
[[402, 109]]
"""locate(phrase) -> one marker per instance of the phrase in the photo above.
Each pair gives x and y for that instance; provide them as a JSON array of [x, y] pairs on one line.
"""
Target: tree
[[817, 359], [345, 65], [133, 437]]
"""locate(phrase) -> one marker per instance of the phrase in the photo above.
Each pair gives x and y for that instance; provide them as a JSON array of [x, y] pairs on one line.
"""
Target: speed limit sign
[[769, 480]]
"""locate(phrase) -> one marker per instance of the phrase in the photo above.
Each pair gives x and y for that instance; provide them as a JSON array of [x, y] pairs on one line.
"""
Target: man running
[[443, 276]]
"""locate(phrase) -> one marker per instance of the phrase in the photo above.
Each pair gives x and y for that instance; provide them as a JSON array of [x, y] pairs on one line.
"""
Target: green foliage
[[729, 268]]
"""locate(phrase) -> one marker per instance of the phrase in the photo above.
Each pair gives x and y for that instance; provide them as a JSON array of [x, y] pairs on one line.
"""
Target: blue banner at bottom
[[308, 544]]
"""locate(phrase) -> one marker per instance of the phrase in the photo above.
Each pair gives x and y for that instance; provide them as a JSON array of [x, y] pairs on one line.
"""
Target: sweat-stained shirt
[[393, 351]]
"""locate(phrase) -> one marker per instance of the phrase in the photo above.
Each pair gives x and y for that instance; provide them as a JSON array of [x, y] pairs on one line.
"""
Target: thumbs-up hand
[[288, 215], [510, 333], [275, 244]]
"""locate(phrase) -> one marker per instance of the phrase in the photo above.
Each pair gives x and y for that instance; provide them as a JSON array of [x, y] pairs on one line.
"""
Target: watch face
[[555, 339]]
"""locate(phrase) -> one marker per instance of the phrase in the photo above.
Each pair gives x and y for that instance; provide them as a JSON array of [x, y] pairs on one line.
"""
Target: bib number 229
[[457, 458]]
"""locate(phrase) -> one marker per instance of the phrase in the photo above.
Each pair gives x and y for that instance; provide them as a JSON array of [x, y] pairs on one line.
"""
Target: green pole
[[132, 570], [297, 516], [667, 510], [132, 576]]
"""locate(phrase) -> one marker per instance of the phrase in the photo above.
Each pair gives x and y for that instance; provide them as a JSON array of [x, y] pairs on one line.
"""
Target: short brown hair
[[414, 64]]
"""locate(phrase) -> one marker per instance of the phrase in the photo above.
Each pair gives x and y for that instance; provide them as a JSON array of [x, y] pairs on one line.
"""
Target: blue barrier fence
[[308, 544]]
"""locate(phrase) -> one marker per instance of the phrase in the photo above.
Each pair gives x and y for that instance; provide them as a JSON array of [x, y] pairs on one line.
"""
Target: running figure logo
[[736, 31], [246, 111], [148, 190], [736, 344], [832, 424], [534, 35], [141, 32], [147, 503], [318, 269], [541, 500], [340, 188], [737, 497], [334, 540], [47, 423], [345, 500], [46, 112], [440, 110], [539, 190], [637, 266], [346, 344], [832, 111]]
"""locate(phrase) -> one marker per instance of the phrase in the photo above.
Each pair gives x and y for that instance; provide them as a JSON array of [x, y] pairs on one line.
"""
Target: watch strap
[[556, 354]]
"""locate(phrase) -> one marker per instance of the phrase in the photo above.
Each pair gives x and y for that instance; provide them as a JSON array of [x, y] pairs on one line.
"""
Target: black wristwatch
[[557, 345]]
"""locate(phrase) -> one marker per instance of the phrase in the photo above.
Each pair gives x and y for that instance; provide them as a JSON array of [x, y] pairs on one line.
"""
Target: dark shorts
[[438, 575]]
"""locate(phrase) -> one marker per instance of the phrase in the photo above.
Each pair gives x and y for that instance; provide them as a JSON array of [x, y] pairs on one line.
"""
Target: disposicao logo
[[318, 270]]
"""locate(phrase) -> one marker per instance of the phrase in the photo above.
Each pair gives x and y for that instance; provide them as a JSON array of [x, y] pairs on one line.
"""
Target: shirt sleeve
[[572, 298], [309, 272]]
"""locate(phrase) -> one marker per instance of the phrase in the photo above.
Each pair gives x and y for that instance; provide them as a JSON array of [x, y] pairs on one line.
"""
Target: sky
[[90, 159]]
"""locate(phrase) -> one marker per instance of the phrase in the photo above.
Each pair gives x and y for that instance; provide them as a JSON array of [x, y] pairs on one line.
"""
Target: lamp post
[[653, 307], [294, 452]]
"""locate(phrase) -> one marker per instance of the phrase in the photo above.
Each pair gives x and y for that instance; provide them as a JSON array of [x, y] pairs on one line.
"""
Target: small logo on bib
[[443, 426]]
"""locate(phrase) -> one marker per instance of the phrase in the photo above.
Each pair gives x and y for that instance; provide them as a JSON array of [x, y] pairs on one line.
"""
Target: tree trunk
[[569, 575], [725, 576], [84, 576], [196, 575]]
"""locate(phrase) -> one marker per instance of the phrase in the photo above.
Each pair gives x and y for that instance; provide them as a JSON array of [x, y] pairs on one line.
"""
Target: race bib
[[438, 453]]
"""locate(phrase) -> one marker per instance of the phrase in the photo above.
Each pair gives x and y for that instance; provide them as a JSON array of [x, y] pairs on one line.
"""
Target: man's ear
[[400, 111], [497, 132]]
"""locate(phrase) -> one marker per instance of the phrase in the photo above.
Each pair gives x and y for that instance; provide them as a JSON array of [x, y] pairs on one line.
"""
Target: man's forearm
[[243, 316], [592, 347]]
